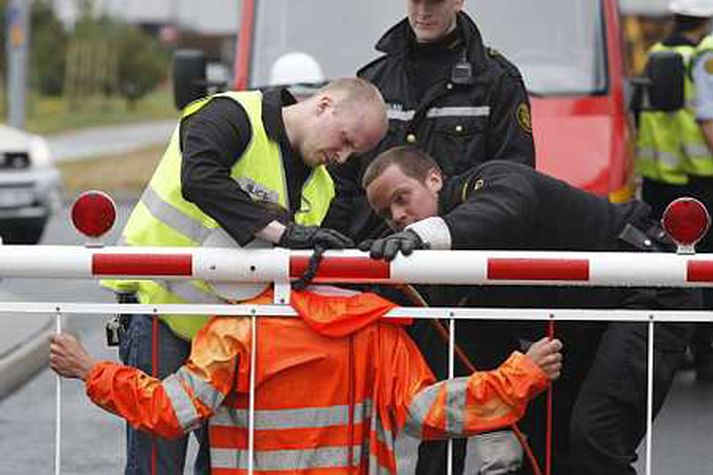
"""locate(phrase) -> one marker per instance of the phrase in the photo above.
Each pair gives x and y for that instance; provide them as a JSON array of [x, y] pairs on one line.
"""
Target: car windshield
[[558, 44]]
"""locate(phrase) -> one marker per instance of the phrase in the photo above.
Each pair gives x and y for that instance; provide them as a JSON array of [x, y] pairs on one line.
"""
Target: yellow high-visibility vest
[[164, 218], [670, 145]]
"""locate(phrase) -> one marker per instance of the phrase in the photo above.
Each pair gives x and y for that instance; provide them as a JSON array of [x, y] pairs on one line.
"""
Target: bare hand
[[546, 354], [68, 357]]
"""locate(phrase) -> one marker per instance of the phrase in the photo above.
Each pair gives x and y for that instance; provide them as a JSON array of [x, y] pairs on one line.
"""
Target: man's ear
[[324, 102], [434, 180]]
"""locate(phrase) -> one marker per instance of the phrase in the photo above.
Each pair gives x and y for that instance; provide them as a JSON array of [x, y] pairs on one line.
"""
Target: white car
[[30, 186]]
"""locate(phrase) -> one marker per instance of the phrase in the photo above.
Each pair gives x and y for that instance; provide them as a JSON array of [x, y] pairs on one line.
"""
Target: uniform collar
[[678, 39], [273, 100], [396, 41], [448, 196], [296, 171]]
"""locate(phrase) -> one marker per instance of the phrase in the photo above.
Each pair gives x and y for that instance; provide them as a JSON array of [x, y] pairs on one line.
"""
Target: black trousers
[[609, 415]]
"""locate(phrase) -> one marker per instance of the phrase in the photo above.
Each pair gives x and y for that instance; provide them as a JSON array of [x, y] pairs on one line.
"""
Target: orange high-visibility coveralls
[[334, 390]]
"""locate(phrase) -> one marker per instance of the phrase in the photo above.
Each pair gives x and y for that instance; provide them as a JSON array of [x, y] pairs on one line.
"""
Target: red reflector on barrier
[[93, 213], [686, 220], [700, 271], [338, 269], [538, 269], [142, 264]]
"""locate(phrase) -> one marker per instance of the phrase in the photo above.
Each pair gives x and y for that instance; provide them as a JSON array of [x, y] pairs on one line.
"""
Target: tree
[[48, 43], [142, 62]]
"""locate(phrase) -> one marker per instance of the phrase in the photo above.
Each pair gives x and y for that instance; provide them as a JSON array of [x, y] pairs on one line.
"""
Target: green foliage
[[48, 44], [142, 62], [134, 63]]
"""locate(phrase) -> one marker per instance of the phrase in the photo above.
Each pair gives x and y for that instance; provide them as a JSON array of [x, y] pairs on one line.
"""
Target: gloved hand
[[297, 236], [387, 248]]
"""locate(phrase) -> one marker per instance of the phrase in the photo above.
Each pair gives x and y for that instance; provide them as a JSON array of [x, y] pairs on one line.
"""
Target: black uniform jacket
[[461, 125], [507, 206]]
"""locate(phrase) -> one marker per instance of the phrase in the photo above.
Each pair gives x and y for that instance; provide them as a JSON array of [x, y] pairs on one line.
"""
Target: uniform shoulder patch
[[524, 117], [471, 186]]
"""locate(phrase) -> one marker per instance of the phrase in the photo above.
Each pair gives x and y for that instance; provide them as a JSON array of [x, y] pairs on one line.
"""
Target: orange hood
[[337, 313]]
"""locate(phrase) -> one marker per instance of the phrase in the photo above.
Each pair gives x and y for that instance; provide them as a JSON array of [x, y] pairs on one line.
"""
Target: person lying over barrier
[[599, 405], [335, 388]]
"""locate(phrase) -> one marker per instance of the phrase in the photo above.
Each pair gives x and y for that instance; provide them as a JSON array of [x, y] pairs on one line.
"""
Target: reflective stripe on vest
[[670, 145], [164, 218]]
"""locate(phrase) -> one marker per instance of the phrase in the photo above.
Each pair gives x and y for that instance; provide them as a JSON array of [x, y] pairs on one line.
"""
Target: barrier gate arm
[[611, 269], [280, 266]]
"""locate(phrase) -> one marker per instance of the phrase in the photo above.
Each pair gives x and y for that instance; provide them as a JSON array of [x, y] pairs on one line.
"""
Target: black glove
[[297, 236], [387, 248]]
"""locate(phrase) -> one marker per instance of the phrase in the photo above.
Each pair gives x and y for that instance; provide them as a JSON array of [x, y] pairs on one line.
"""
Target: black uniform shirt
[[212, 141]]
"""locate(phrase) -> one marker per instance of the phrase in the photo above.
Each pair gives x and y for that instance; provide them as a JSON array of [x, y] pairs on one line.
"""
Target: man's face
[[341, 129], [402, 200], [431, 20]]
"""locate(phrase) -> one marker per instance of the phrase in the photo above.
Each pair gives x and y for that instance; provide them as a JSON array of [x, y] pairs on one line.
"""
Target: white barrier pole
[[251, 409], [451, 374], [650, 396], [58, 409]]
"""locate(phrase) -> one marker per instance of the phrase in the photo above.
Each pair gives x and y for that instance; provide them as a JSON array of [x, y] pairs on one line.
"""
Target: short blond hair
[[357, 92]]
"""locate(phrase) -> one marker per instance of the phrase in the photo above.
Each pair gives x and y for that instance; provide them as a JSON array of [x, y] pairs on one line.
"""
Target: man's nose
[[399, 217]]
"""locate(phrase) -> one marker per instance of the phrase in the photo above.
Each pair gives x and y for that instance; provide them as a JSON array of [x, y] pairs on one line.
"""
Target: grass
[[48, 115], [119, 175]]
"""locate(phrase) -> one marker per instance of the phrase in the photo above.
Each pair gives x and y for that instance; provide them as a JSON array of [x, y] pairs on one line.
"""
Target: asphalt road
[[107, 140], [92, 441]]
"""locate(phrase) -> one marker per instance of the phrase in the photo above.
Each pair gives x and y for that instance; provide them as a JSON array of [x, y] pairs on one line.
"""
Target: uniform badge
[[708, 66], [524, 118], [479, 183]]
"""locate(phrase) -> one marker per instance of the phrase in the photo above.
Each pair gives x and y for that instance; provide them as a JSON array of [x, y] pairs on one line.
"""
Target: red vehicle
[[569, 52]]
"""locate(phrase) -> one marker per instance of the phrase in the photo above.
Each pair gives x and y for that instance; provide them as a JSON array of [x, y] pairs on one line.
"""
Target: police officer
[[672, 155], [701, 180], [447, 94], [234, 162], [505, 205]]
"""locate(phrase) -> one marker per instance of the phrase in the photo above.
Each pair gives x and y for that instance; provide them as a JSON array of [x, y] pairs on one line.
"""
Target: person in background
[[701, 183], [447, 94], [673, 156]]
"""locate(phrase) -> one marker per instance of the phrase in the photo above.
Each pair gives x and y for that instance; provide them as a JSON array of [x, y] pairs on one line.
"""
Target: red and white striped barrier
[[617, 269]]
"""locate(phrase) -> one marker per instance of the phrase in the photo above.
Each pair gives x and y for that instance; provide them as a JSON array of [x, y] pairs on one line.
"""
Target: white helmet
[[295, 68], [694, 8]]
